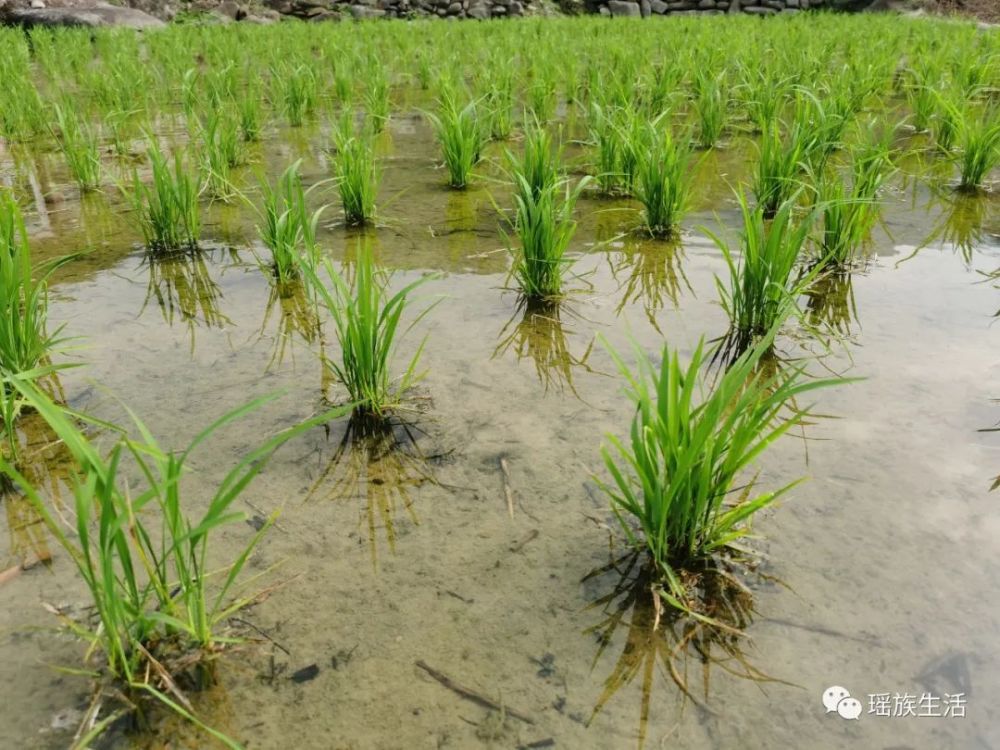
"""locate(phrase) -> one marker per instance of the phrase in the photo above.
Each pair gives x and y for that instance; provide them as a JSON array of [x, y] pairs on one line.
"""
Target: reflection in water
[[536, 331], [962, 223], [44, 462], [378, 462], [183, 288], [657, 638], [830, 303], [296, 316], [650, 273]]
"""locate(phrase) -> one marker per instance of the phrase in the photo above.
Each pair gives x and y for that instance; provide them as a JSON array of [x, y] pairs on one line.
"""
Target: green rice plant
[[666, 80], [606, 140], [922, 100], [378, 104], [25, 342], [663, 181], [287, 227], [540, 164], [343, 85], [779, 164], [850, 213], [945, 125], [678, 481], [357, 176], [248, 108], [367, 318], [160, 601], [167, 211], [79, 146], [544, 225], [978, 144], [711, 105], [221, 149], [295, 92], [542, 93], [462, 138], [763, 284], [499, 102]]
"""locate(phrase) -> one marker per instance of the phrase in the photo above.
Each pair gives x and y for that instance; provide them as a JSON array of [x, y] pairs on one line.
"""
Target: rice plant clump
[[462, 137], [167, 211], [80, 148], [675, 480], [979, 146], [663, 181], [287, 227], [850, 213], [762, 283], [160, 602], [367, 319], [357, 175]]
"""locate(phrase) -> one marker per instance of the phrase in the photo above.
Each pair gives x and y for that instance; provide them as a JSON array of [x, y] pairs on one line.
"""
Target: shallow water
[[878, 571]]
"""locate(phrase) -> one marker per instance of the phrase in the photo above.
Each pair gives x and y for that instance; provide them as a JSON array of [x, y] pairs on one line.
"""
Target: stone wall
[[646, 8], [319, 10]]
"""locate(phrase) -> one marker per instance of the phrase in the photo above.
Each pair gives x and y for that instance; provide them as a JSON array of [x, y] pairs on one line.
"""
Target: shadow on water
[[649, 273], [652, 638], [536, 332], [377, 462], [296, 317], [182, 287]]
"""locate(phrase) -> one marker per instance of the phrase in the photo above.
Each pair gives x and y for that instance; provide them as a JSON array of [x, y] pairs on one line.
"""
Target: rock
[[499, 10], [362, 12], [757, 10], [231, 9], [454, 9], [515, 8], [37, 4], [658, 7], [624, 9], [603, 11], [706, 5], [98, 14], [479, 12], [644, 8]]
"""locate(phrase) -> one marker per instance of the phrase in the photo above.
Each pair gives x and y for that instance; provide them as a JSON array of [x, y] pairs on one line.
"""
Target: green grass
[[367, 319], [160, 602], [462, 137], [679, 484], [356, 173], [763, 283], [663, 181], [287, 227], [167, 211]]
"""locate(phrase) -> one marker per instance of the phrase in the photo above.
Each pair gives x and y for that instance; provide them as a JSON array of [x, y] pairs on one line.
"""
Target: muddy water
[[878, 573]]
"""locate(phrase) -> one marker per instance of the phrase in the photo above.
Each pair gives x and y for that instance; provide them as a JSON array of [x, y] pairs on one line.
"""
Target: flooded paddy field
[[459, 579]]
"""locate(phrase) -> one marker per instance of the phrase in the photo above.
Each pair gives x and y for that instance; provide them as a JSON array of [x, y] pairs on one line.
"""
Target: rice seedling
[[850, 213], [946, 121], [25, 342], [606, 140], [979, 145], [287, 227], [295, 92], [544, 224], [167, 211], [248, 107], [221, 150], [462, 138], [539, 165], [679, 476], [160, 607], [357, 175], [711, 106], [779, 164], [367, 320], [378, 105], [542, 94], [762, 285], [922, 100], [663, 180], [499, 102], [79, 146]]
